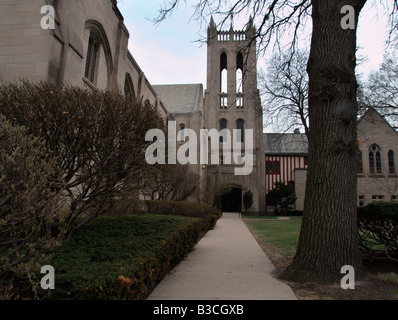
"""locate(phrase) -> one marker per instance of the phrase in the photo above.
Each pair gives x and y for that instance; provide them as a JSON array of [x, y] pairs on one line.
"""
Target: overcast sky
[[171, 54]]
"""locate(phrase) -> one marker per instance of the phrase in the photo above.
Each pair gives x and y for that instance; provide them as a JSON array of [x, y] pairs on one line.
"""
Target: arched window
[[239, 73], [129, 87], [391, 163], [239, 81], [359, 159], [223, 125], [181, 134], [374, 159], [98, 48], [240, 125], [92, 57], [224, 72]]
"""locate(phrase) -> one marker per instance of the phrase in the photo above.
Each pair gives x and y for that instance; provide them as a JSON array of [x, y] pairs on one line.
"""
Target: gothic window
[[92, 57], [391, 163], [223, 125], [224, 102], [239, 73], [239, 101], [129, 87], [224, 72], [181, 135], [99, 62], [240, 125], [359, 159], [374, 159], [239, 81]]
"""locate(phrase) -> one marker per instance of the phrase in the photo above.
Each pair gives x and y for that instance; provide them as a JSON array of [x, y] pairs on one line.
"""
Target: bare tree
[[169, 183], [284, 89], [30, 205], [381, 90], [329, 235], [98, 139]]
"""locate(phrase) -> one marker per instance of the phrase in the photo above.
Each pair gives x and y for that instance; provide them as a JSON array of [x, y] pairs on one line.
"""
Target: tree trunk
[[329, 236]]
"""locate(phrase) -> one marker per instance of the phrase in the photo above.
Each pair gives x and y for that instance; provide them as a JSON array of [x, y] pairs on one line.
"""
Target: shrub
[[378, 225], [218, 191], [30, 202], [98, 139], [247, 200], [170, 183], [214, 218], [122, 257], [181, 208], [282, 197], [189, 209]]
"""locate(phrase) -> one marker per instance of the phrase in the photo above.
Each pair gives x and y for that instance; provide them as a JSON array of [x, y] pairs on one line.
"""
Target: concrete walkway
[[227, 264]]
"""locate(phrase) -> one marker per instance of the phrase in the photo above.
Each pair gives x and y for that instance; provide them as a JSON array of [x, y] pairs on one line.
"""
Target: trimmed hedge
[[178, 208], [122, 257], [181, 208], [378, 226], [216, 215]]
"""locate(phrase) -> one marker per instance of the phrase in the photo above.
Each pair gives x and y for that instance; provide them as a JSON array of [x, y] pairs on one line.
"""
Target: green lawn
[[260, 217], [280, 235]]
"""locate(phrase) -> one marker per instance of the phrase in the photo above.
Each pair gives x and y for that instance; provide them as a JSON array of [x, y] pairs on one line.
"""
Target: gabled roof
[[179, 98], [372, 112], [285, 144]]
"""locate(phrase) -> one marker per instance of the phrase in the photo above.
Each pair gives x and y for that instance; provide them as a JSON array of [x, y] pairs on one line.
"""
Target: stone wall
[[60, 55]]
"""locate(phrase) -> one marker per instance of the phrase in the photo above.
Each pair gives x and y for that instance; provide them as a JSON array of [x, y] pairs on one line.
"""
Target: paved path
[[227, 264]]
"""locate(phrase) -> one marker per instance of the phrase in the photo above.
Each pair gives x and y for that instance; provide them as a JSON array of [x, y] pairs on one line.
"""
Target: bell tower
[[232, 101]]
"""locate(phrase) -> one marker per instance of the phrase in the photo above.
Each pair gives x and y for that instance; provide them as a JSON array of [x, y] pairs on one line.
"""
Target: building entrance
[[232, 202]]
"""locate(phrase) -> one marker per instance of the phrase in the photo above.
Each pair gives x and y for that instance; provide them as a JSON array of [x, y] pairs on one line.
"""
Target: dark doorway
[[232, 202]]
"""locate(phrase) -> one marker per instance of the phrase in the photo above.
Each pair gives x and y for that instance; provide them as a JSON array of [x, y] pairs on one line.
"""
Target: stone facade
[[89, 48], [237, 100], [232, 97], [60, 55], [377, 174], [377, 162]]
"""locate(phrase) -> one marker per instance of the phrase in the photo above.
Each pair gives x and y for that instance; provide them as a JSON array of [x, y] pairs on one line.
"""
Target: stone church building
[[287, 155], [88, 47]]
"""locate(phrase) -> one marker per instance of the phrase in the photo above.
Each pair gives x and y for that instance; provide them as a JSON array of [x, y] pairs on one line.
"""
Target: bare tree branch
[[284, 89]]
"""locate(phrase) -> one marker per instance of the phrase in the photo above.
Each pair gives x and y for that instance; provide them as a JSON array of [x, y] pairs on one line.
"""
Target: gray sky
[[170, 52]]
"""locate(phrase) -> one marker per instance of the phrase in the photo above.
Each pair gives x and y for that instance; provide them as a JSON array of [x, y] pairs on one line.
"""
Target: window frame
[[223, 121], [271, 169], [241, 136], [391, 162], [181, 133], [223, 73], [92, 57], [375, 161]]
